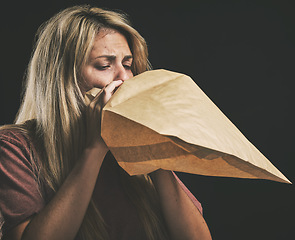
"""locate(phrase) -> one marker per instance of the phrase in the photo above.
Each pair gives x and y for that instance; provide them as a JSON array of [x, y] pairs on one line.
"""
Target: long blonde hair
[[53, 100]]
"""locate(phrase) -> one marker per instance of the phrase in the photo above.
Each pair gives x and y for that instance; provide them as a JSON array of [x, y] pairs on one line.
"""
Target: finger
[[110, 89], [112, 85], [105, 94]]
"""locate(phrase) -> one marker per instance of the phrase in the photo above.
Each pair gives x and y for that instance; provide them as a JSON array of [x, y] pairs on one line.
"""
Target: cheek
[[93, 78], [85, 77], [89, 79]]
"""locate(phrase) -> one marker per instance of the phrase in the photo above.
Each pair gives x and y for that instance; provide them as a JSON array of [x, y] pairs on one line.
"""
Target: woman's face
[[110, 59]]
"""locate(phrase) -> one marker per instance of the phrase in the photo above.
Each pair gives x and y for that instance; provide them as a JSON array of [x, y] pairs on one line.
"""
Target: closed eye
[[127, 67], [101, 68]]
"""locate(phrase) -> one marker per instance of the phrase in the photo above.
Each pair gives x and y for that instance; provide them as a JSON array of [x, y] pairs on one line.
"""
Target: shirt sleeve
[[189, 194], [20, 197]]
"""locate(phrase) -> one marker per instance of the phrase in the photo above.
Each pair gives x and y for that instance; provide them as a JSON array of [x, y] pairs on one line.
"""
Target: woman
[[58, 180]]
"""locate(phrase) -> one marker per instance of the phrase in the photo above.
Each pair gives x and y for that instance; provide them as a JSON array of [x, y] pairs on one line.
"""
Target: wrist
[[99, 145], [96, 151]]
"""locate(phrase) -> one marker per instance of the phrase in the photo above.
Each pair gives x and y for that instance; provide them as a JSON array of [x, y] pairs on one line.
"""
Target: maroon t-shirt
[[19, 192], [20, 196]]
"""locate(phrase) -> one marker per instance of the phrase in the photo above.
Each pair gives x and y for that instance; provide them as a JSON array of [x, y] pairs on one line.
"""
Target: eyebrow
[[113, 57]]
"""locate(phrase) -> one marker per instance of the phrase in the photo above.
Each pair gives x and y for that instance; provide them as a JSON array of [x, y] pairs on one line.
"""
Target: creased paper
[[162, 119]]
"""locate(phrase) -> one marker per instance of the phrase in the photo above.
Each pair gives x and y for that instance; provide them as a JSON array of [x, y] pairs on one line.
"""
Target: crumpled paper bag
[[162, 119]]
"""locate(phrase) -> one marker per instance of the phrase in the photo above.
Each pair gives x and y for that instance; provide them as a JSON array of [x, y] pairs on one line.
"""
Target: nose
[[123, 73]]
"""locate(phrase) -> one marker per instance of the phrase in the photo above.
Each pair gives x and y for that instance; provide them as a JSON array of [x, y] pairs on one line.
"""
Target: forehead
[[110, 42]]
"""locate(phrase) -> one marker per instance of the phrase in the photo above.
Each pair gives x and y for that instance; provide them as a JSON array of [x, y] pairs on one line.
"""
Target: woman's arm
[[183, 219], [62, 216]]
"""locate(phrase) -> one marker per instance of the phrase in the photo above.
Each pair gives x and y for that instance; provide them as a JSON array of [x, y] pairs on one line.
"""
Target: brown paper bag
[[162, 119]]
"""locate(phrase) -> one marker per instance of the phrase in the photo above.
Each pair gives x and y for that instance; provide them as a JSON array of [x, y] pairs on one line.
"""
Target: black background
[[241, 53]]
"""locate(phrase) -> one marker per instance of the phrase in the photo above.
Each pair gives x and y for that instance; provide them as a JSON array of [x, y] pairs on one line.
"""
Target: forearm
[[183, 219], [62, 217]]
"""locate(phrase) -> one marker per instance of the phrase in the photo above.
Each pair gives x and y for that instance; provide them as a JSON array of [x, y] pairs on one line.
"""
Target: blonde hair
[[53, 100]]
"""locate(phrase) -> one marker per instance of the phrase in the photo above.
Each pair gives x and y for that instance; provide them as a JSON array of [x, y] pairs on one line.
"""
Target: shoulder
[[16, 148], [13, 135]]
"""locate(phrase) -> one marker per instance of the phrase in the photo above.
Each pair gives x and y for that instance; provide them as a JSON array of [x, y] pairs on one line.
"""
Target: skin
[[108, 66], [110, 60], [183, 219]]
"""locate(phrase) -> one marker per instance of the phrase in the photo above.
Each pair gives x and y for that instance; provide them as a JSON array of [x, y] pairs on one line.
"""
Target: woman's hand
[[93, 113]]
